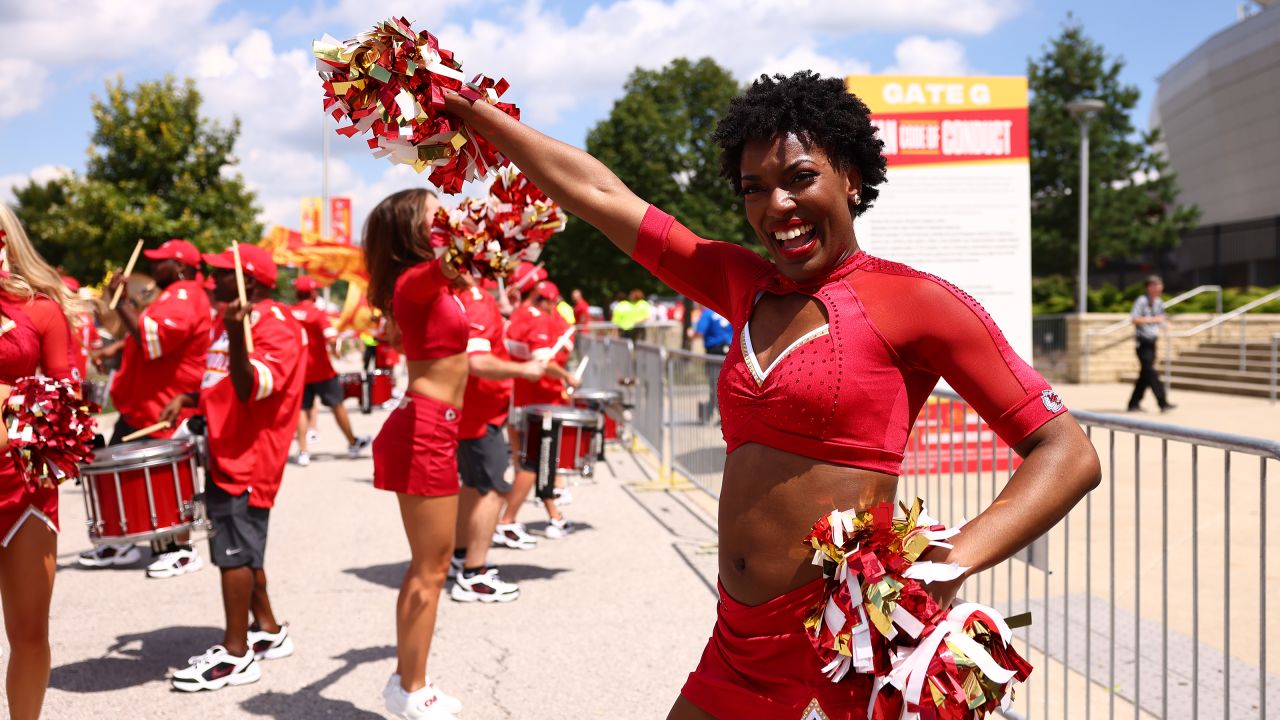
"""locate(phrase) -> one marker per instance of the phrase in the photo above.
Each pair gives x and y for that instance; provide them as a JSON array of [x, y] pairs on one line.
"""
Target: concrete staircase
[[1215, 367]]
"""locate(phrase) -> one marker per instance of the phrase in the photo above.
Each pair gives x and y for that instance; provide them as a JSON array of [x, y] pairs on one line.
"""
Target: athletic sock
[[472, 572], [460, 554]]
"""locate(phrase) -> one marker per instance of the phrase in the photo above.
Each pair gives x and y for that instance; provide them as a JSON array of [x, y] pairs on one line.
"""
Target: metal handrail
[[1127, 322], [1275, 360], [1240, 312]]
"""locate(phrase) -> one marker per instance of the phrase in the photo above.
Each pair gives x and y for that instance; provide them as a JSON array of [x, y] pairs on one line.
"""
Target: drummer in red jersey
[[250, 404], [537, 332], [163, 356], [82, 332], [35, 333], [322, 379], [483, 454]]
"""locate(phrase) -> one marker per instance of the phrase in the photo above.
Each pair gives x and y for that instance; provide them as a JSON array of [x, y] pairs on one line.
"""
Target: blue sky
[[566, 61]]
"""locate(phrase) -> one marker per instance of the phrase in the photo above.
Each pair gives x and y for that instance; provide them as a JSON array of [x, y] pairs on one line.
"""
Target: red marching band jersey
[[535, 335], [319, 333], [249, 441], [486, 401], [167, 358]]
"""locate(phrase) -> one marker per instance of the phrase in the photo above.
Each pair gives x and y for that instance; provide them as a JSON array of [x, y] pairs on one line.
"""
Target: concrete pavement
[[610, 621]]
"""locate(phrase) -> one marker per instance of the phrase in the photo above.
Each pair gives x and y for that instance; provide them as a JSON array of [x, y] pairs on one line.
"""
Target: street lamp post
[[1083, 111]]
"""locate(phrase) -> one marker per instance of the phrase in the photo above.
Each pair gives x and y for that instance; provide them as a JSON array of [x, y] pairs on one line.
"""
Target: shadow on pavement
[[135, 659], [391, 574], [307, 702]]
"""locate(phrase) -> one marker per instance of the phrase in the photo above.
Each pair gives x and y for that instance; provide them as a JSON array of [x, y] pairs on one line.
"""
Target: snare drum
[[141, 491], [352, 384], [606, 402], [381, 383], [96, 392], [569, 435]]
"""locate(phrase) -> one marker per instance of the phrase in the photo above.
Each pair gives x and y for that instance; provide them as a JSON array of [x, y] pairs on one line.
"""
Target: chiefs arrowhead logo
[[814, 712], [1052, 401]]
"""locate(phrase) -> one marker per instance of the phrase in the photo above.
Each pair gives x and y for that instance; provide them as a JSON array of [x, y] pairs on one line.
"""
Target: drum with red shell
[[142, 491], [606, 402], [569, 435]]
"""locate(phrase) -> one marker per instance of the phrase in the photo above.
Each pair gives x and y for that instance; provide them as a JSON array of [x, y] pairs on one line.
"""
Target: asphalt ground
[[609, 622]]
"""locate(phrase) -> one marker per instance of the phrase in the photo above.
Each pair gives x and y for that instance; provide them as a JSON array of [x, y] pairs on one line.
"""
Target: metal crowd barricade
[[649, 420], [1150, 599], [697, 444]]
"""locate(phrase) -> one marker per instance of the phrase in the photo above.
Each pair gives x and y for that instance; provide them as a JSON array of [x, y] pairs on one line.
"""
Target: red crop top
[[33, 334], [433, 323], [849, 392]]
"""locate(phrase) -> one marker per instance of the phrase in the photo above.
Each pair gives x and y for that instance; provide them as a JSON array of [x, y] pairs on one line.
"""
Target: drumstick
[[128, 270], [563, 342], [244, 302], [582, 367], [145, 431]]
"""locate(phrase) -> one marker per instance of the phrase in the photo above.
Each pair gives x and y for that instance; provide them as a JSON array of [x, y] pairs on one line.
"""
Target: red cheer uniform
[[581, 312], [533, 335], [846, 393], [416, 451], [249, 441], [34, 335], [166, 358], [320, 332], [486, 401]]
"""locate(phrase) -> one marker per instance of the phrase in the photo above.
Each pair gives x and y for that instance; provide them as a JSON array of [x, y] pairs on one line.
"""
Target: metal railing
[[1087, 343], [1275, 364], [1049, 346], [1240, 312], [1149, 598]]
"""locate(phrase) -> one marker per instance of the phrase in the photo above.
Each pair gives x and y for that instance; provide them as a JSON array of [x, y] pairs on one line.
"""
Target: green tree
[[156, 170], [657, 139], [1132, 194]]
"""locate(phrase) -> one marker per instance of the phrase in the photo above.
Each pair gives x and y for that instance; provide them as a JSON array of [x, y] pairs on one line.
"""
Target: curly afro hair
[[820, 111]]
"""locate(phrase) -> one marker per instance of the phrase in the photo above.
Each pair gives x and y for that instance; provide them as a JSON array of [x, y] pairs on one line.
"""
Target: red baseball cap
[[548, 290], [526, 274], [175, 249], [255, 261], [305, 284]]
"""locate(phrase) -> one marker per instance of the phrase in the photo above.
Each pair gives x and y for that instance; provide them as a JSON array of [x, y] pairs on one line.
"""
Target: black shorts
[[482, 462], [329, 391], [239, 534]]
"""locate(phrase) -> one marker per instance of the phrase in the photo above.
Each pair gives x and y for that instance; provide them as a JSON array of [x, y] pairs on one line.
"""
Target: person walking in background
[[581, 308], [629, 314], [1148, 317], [716, 333]]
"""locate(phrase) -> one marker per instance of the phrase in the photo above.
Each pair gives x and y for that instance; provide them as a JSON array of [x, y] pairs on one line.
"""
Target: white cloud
[[805, 58], [556, 66], [39, 173], [23, 85], [918, 55]]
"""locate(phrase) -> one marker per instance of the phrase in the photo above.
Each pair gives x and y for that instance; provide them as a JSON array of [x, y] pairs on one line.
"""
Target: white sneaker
[[313, 436], [514, 536], [271, 646], [455, 565], [428, 703], [557, 529], [485, 587], [216, 669], [357, 447], [175, 563], [303, 459], [110, 555]]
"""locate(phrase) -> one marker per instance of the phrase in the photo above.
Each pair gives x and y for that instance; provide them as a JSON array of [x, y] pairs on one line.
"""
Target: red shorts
[[759, 664], [416, 451], [20, 503]]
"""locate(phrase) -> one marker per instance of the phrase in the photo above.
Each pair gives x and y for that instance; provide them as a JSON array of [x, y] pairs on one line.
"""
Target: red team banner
[[340, 220]]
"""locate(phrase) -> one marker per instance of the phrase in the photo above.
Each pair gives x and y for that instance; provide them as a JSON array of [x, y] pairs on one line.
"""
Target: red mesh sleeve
[[716, 274], [55, 337], [939, 330]]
